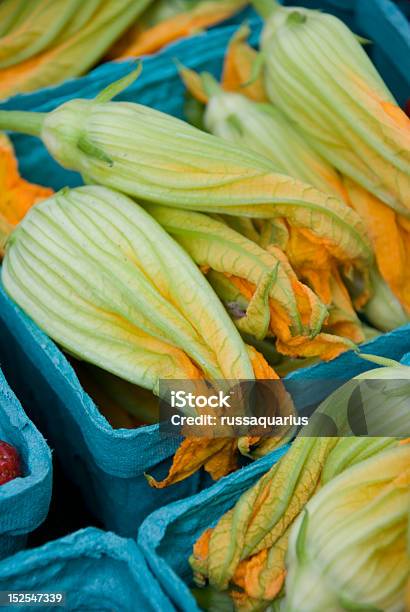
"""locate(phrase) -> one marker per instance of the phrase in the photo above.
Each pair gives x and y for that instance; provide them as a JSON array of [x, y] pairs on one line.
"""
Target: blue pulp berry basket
[[93, 569], [24, 502], [168, 535], [107, 464]]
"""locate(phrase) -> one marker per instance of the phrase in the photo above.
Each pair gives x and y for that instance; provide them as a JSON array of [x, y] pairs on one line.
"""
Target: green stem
[[22, 121], [382, 361], [5, 230], [265, 8]]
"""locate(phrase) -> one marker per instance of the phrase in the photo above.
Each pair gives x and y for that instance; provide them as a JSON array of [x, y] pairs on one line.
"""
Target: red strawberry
[[10, 467]]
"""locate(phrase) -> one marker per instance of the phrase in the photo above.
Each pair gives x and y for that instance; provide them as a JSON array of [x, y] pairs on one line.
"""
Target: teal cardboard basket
[[168, 535], [24, 502], [107, 464], [91, 569]]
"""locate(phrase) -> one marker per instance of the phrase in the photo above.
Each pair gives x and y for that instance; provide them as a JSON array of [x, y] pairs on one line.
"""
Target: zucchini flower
[[167, 20], [43, 43], [79, 222], [160, 159], [265, 129], [16, 194], [348, 549], [383, 309], [258, 287], [5, 230], [390, 234], [112, 288], [238, 75], [317, 73], [245, 552]]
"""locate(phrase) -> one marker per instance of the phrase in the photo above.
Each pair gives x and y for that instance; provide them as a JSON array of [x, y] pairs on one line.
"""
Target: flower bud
[[348, 548], [109, 285]]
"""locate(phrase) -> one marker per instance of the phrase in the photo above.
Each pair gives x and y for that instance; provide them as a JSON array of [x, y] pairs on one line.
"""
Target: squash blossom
[[265, 129], [348, 549], [245, 552], [167, 20], [160, 159], [43, 43], [317, 73], [258, 286], [238, 73], [390, 235], [79, 221], [272, 134], [111, 287], [16, 194]]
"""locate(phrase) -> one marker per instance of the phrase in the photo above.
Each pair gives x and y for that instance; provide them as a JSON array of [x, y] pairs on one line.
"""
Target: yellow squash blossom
[[108, 284], [167, 20], [264, 128], [390, 234], [245, 552], [16, 194], [43, 43], [238, 69], [348, 549], [271, 299], [317, 73]]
